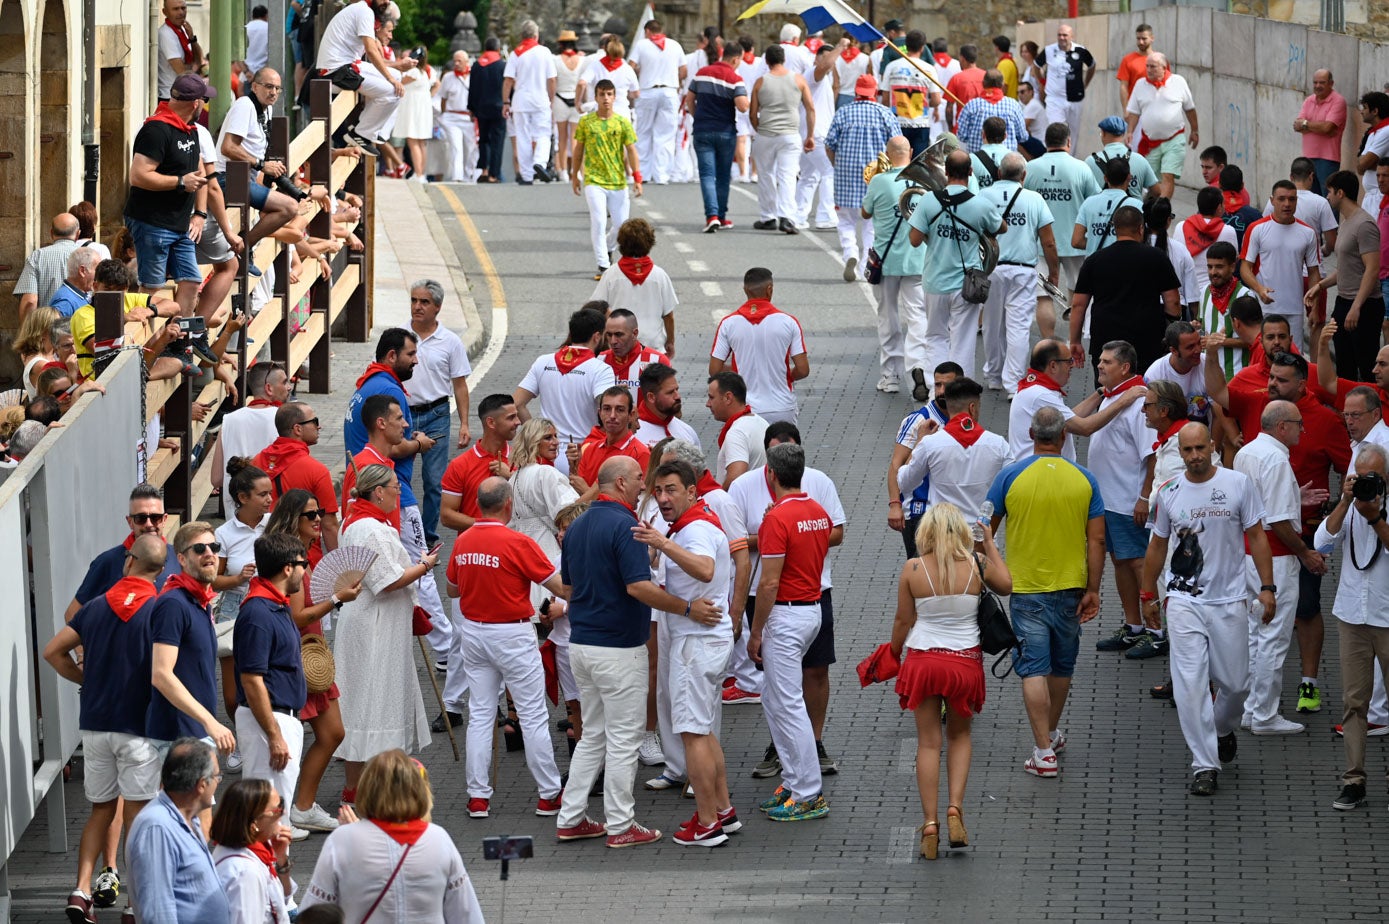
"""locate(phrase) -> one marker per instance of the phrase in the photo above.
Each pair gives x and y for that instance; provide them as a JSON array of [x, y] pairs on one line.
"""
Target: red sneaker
[[728, 820], [736, 696], [582, 830], [634, 836], [1371, 730], [79, 908], [349, 797], [547, 807], [697, 835], [728, 222], [729, 681], [478, 808]]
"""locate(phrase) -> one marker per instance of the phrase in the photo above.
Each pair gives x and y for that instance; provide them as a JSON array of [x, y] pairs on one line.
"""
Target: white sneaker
[[1277, 726], [826, 226], [564, 176], [314, 818], [851, 269], [888, 385], [662, 783], [1246, 722], [233, 762], [650, 752], [297, 834]]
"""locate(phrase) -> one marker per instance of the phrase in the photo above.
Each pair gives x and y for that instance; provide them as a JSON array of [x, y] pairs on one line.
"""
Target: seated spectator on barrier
[[45, 268], [245, 137], [348, 42], [112, 276], [77, 285]]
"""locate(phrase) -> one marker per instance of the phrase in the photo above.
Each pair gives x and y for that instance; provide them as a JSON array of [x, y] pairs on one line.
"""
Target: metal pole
[[278, 58], [223, 47]]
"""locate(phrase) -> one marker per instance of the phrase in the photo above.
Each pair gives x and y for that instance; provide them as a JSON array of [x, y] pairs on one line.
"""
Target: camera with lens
[[287, 186], [1368, 486]]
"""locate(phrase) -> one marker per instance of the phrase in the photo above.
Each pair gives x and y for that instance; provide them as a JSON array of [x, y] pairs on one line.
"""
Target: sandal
[[930, 842], [959, 837]]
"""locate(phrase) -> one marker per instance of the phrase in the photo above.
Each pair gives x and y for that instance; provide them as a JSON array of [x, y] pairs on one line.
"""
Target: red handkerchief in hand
[[547, 661], [881, 665]]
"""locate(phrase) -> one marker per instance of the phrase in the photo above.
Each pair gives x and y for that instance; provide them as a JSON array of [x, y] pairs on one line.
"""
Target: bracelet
[[687, 608], [1147, 596], [1273, 588], [636, 175], [202, 215], [1377, 520], [892, 502], [284, 868]]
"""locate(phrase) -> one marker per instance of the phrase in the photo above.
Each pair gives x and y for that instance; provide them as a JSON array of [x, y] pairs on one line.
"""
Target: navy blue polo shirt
[[115, 666], [107, 568], [266, 642], [177, 620], [600, 559], [354, 432]]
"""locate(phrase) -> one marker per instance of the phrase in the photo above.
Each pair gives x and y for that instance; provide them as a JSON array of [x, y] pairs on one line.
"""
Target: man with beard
[[659, 406]]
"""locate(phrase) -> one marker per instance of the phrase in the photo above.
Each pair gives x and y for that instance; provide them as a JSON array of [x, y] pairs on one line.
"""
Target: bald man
[[245, 137], [47, 267], [1154, 113]]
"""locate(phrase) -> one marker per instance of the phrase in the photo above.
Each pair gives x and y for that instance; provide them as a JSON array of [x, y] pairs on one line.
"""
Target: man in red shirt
[[386, 425], [490, 572], [965, 85], [794, 542], [625, 353], [1335, 389], [289, 465], [612, 437], [490, 455]]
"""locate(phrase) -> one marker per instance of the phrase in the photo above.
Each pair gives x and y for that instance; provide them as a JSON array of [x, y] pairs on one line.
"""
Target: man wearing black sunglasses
[[288, 463], [146, 516]]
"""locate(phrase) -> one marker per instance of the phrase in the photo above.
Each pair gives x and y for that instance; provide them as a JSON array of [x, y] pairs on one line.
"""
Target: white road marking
[[682, 247], [698, 266], [655, 215], [718, 314], [711, 289]]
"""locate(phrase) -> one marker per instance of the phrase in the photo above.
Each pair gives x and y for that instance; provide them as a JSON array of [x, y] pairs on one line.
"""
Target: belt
[[660, 86], [498, 622], [428, 405], [285, 710], [457, 112], [1014, 263], [797, 602]]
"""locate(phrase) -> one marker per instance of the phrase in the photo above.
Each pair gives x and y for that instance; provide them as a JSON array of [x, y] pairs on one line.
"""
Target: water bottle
[[986, 512]]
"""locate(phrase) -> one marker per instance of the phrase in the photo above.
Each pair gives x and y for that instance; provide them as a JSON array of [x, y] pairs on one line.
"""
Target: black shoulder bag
[[975, 288]]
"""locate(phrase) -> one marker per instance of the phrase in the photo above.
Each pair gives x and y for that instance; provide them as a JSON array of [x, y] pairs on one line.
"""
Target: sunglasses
[[202, 548], [312, 514], [312, 421], [141, 519], [301, 562]]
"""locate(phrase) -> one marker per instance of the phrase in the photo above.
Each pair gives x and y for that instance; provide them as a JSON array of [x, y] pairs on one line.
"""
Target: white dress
[[375, 653], [415, 116], [538, 493]]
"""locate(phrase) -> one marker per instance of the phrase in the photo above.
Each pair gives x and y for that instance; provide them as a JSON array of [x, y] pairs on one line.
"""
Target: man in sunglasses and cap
[[146, 516]]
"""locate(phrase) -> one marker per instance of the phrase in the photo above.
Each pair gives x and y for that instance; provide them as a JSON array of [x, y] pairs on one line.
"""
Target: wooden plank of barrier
[[305, 143], [340, 109], [306, 340], [343, 288]]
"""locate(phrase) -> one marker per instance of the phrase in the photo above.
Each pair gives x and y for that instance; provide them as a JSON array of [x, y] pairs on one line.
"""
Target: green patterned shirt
[[605, 143]]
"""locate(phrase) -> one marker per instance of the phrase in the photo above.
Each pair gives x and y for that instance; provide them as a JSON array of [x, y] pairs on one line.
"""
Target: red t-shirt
[[595, 451], [368, 456], [493, 568], [1133, 68], [1324, 445], [796, 529], [304, 472], [467, 471], [1343, 386]]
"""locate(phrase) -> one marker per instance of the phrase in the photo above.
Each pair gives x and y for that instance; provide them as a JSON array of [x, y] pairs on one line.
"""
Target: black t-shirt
[[176, 153], [1125, 282]]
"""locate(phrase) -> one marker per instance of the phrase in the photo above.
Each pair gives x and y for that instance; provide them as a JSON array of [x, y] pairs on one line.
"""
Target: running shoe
[[548, 807], [828, 765], [851, 269], [1227, 746], [1371, 730], [780, 796], [770, 765], [736, 696], [79, 908], [663, 782], [479, 808], [581, 831], [1204, 783], [1308, 697], [650, 752], [1121, 639], [1042, 766], [1148, 645], [314, 818], [1352, 797], [233, 762], [728, 818], [634, 836], [1277, 726], [713, 224], [106, 888], [694, 834], [791, 810]]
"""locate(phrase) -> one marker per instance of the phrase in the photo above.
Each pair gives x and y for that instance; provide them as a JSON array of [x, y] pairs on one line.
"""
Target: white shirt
[[1206, 524], [959, 474], [253, 892], [1281, 254], [624, 80], [1161, 112], [245, 432], [704, 539], [1377, 144], [238, 541], [257, 44], [1192, 384], [1379, 435], [1189, 288], [531, 72], [799, 60], [657, 67], [752, 495], [1035, 115], [850, 71], [170, 49], [1118, 456], [1312, 210], [242, 121], [568, 399], [742, 443], [207, 148], [761, 353], [1264, 460], [442, 358], [342, 37], [1025, 404], [650, 302], [452, 93], [1362, 597], [651, 433], [822, 95], [1203, 279]]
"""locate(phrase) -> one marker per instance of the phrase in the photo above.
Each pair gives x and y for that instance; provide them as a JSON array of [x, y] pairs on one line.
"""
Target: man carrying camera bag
[[244, 137]]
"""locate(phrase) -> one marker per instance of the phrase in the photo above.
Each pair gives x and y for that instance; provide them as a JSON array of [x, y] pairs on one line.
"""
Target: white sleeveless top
[[30, 391], [946, 620]]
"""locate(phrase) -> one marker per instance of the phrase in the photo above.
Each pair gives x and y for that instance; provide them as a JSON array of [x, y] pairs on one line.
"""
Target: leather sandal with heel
[[959, 837], [930, 839]]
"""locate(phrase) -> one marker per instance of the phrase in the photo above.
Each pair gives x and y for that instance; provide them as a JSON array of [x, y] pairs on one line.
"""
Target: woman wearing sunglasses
[[250, 849], [298, 514]]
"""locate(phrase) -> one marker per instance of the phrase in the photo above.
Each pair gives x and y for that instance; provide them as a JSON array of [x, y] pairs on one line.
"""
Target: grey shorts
[[213, 248]]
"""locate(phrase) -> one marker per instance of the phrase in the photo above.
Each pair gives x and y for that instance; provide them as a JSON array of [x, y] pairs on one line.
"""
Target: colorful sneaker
[[728, 819], [663, 782], [1352, 797], [1044, 766], [1308, 697], [779, 797], [581, 831], [791, 810], [548, 807], [1371, 730], [106, 888], [694, 834], [313, 818], [770, 765], [1058, 744], [1120, 639], [634, 836], [1147, 646], [650, 752], [727, 223], [79, 909], [479, 808], [1204, 783], [736, 696], [729, 681], [828, 765]]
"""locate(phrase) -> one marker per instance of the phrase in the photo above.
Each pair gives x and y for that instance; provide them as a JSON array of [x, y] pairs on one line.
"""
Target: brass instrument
[[876, 167], [927, 170]]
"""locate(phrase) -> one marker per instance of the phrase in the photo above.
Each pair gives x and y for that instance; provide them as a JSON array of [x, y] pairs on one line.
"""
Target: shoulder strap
[[387, 887], [989, 166], [1012, 202]]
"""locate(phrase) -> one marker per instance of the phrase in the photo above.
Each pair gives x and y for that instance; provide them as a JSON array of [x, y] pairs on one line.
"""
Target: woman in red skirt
[[937, 625]]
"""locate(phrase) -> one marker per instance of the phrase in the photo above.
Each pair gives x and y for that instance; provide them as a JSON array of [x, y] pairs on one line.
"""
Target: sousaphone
[[927, 171]]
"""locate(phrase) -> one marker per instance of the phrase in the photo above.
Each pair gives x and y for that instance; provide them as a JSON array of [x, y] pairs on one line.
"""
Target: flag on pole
[[648, 13], [819, 15]]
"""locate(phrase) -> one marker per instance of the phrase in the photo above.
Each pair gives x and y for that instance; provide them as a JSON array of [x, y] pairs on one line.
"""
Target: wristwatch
[[545, 607], [1271, 588]]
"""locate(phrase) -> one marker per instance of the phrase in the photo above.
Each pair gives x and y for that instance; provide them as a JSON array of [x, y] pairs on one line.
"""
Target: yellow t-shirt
[[605, 145], [83, 325], [1009, 70], [1047, 501]]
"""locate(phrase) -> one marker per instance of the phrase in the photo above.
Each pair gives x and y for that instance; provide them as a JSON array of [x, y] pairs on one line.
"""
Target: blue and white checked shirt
[[971, 125], [858, 133]]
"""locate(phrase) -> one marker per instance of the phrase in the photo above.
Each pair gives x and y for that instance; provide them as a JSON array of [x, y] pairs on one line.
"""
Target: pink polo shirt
[[1333, 109]]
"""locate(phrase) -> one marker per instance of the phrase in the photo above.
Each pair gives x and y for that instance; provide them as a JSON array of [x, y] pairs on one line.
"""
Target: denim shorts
[[1122, 538], [259, 192], [1049, 630], [163, 254]]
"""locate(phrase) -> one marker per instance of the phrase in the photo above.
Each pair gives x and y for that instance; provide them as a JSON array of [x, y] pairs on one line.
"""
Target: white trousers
[[379, 104], [785, 639], [255, 751], [658, 119], [856, 234], [1210, 645], [412, 537], [951, 326], [745, 674], [612, 693], [1008, 317], [500, 656], [1268, 644], [817, 175], [778, 159], [899, 299], [1059, 110], [602, 229], [461, 136], [533, 129]]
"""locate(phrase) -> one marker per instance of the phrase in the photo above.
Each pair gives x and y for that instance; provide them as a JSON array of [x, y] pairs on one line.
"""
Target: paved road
[[1115, 838]]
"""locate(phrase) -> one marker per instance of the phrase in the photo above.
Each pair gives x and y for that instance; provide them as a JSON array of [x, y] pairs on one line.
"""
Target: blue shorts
[[259, 192], [163, 254], [1049, 630], [1122, 538]]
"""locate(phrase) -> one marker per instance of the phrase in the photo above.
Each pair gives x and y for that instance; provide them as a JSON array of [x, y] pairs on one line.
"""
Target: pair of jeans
[[491, 145], [714, 154], [1322, 168], [434, 424]]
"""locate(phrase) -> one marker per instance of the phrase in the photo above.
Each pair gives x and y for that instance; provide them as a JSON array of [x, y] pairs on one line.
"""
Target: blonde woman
[[35, 346], [936, 638], [539, 489]]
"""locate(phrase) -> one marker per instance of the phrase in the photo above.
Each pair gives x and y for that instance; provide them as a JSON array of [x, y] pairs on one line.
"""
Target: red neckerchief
[[965, 429], [1234, 201], [265, 854], [1034, 377], [1005, 56], [850, 53], [1159, 84], [201, 593], [263, 589], [128, 541], [749, 57], [613, 500], [1376, 127], [728, 424], [569, 52], [992, 94], [162, 113], [599, 437], [487, 57], [942, 58], [636, 269], [1170, 432], [279, 455], [128, 594], [404, 833], [814, 44], [525, 46], [1200, 232], [698, 511], [375, 369], [461, 74], [569, 358], [651, 417], [1383, 204], [706, 483], [610, 62], [184, 40], [1132, 381], [263, 402], [757, 310], [658, 40], [363, 509], [1220, 300], [621, 367]]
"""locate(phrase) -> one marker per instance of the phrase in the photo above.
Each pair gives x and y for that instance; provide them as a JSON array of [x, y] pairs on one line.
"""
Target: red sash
[[184, 40]]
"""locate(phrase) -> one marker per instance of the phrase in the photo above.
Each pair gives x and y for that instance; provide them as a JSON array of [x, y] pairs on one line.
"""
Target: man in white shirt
[[660, 65], [243, 138], [1374, 113], [457, 122], [528, 96], [1044, 386], [904, 508], [1205, 513], [348, 39], [1068, 69], [659, 406], [440, 377], [766, 345], [180, 51], [740, 440], [817, 173], [1276, 251], [568, 381], [249, 429], [1184, 366], [960, 459], [258, 38], [1312, 208], [625, 353], [1154, 113]]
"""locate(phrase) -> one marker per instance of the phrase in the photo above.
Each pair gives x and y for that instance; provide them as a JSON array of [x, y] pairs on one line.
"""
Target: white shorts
[[698, 665], [117, 764], [563, 112], [568, 687]]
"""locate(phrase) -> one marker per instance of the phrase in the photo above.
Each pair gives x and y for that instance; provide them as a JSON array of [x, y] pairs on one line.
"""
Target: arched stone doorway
[[55, 167], [14, 159]]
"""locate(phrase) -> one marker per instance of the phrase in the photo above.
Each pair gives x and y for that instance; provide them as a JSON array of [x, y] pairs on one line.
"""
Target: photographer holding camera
[[244, 136], [1362, 603]]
